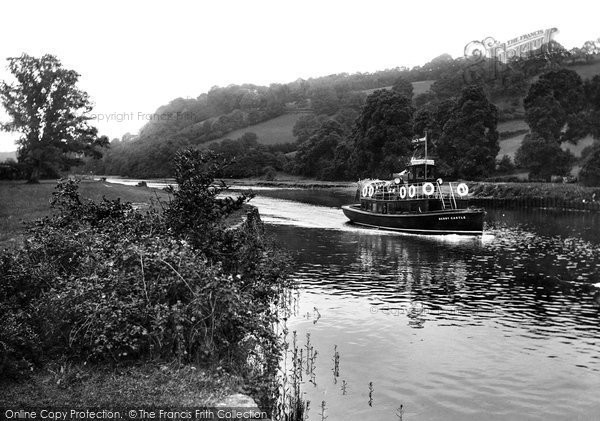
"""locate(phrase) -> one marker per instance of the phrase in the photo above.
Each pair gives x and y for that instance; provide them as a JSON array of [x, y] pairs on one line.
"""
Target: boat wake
[[288, 212]]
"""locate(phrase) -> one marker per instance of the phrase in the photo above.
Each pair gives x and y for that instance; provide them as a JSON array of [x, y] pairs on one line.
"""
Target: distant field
[[587, 71], [512, 126], [581, 144], [8, 155], [276, 130], [20, 201], [422, 86], [509, 146], [279, 129], [418, 87]]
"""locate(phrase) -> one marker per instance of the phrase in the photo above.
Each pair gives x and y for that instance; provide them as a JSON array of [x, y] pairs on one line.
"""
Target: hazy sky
[[135, 56]]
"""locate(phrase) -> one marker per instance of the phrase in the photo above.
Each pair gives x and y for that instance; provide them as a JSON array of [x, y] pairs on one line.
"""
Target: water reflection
[[503, 326]]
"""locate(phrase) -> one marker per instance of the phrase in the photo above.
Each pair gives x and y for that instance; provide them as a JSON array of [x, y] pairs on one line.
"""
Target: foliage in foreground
[[102, 282]]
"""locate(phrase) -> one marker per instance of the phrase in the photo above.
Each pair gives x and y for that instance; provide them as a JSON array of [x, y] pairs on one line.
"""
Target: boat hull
[[455, 221]]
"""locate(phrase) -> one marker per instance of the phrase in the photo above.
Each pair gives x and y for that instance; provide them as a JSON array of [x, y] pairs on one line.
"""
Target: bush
[[505, 165], [11, 170], [590, 170], [543, 158], [104, 282], [270, 173]]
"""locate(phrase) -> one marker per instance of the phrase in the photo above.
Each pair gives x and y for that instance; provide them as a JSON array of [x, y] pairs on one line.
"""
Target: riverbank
[[42, 380], [292, 183], [82, 385], [552, 195], [559, 195]]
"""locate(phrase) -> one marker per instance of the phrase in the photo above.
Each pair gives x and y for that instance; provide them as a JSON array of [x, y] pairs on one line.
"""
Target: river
[[502, 326], [498, 327]]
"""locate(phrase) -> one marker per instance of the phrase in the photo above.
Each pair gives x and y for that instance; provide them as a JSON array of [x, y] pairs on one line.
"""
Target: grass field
[[8, 155], [587, 71], [509, 146], [276, 130], [418, 87], [512, 126], [279, 129], [26, 202], [569, 192], [422, 86]]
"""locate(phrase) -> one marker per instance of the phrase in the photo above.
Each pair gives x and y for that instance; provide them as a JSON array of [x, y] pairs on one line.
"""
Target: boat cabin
[[414, 190], [421, 170]]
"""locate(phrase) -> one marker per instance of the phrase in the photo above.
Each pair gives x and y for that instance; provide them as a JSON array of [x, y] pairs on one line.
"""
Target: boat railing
[[389, 191], [392, 191], [452, 195]]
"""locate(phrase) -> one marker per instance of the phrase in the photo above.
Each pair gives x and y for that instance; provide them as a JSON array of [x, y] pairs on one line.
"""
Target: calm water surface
[[503, 326]]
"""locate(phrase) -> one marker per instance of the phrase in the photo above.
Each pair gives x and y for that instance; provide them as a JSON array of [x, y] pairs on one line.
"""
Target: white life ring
[[428, 189], [462, 189], [365, 190], [371, 190], [402, 192], [412, 190]]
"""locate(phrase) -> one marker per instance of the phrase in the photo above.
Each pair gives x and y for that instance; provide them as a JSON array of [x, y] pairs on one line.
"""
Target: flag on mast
[[419, 141]]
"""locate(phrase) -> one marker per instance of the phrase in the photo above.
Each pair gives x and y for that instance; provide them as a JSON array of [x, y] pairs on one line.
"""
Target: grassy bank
[[288, 180], [569, 193], [155, 303], [539, 194], [93, 386], [25, 202]]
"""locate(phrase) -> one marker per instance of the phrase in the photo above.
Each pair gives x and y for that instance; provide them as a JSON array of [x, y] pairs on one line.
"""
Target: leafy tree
[[51, 114], [307, 125], [505, 165], [432, 117], [592, 116], [590, 170], [339, 169], [315, 156], [543, 112], [449, 85], [543, 157], [468, 145], [347, 117], [324, 101], [424, 98], [557, 97], [246, 157], [381, 140], [403, 87]]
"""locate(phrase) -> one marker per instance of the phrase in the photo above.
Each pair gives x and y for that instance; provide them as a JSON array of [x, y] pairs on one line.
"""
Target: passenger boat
[[414, 201]]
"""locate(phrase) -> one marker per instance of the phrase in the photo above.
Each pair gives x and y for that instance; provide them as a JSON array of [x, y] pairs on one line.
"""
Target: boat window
[[420, 172]]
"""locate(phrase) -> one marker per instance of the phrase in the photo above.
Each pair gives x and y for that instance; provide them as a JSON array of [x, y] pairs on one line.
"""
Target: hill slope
[[276, 130], [279, 129]]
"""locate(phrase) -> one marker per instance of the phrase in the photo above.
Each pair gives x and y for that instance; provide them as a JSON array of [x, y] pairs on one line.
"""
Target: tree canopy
[[552, 102], [51, 113], [543, 157], [468, 144], [382, 135]]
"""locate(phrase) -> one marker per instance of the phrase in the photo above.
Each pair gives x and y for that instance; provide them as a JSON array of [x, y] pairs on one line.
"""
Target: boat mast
[[425, 154]]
